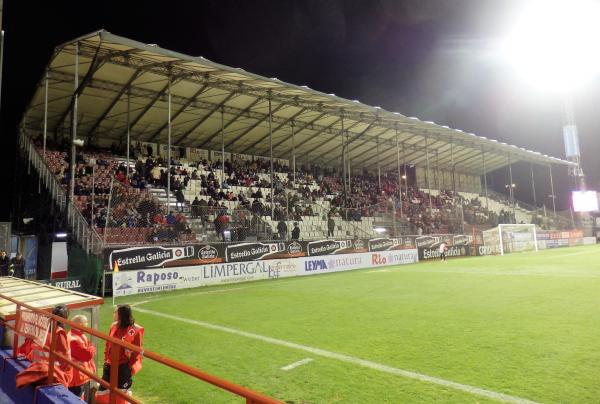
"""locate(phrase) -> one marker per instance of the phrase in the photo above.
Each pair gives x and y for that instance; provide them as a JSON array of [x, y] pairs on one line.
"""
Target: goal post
[[508, 238]]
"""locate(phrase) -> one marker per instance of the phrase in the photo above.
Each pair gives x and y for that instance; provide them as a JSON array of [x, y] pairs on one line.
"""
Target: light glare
[[555, 44]]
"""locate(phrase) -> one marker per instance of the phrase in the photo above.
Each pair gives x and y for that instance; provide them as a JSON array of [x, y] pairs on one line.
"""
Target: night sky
[[431, 59]]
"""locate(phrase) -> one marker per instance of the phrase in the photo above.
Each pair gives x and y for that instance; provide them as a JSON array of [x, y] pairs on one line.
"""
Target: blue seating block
[[9, 368]]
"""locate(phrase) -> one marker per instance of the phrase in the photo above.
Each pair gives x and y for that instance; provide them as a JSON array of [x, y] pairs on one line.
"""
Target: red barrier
[[251, 396]]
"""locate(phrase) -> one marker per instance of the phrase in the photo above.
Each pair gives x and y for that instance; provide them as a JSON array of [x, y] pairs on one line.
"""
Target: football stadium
[[184, 231]]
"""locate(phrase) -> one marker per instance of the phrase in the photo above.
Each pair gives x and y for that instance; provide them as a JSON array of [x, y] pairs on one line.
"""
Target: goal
[[507, 238]]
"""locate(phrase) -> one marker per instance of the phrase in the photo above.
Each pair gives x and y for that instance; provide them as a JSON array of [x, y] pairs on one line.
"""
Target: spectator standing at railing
[[296, 232], [17, 266], [180, 199], [125, 329], [82, 352], [282, 229], [4, 262], [330, 226]]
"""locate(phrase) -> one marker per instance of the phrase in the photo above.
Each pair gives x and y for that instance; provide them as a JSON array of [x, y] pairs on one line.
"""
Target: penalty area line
[[350, 359], [296, 364]]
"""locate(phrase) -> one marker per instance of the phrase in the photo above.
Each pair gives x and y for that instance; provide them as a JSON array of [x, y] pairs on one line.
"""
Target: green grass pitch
[[525, 325]]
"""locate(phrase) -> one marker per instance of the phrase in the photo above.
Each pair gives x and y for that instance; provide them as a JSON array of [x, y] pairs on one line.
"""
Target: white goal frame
[[500, 228]]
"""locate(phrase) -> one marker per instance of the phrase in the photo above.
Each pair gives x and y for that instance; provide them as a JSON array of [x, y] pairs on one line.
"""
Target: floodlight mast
[[553, 43], [571, 139]]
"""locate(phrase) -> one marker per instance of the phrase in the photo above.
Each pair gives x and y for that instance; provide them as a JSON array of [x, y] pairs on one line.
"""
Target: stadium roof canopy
[[113, 71]]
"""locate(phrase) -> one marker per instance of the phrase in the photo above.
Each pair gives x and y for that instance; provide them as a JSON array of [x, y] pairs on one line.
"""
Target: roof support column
[[436, 173], [453, 171], [45, 124], [271, 158], [169, 96], [511, 188], [552, 189], [485, 186], [223, 148], [427, 175], [378, 167], [343, 163], [399, 173], [533, 185], [128, 128], [349, 174], [293, 157], [74, 123]]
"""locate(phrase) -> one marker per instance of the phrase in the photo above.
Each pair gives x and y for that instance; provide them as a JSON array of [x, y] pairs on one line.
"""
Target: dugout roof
[[41, 296], [114, 70]]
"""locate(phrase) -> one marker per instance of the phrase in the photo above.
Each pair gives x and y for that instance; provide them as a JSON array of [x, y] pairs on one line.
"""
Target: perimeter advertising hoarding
[[200, 254], [337, 263], [454, 251], [161, 279], [71, 283], [554, 239], [170, 256]]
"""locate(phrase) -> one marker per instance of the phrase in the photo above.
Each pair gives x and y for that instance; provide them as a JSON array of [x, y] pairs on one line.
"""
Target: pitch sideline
[[349, 359]]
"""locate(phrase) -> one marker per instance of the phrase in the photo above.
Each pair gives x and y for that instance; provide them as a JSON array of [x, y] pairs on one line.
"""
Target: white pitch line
[[204, 292], [377, 271], [351, 359], [296, 364]]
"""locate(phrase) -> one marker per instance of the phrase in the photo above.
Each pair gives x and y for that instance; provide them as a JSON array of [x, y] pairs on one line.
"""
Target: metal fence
[[85, 234]]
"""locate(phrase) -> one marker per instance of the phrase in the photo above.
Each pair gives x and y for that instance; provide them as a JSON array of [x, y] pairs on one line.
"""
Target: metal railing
[[85, 234], [345, 214], [558, 220], [250, 396]]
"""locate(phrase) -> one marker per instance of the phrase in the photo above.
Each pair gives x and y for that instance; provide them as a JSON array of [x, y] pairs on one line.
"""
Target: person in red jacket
[[130, 363], [82, 352], [37, 372]]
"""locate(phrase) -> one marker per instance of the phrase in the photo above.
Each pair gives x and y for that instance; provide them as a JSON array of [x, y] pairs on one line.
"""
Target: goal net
[[507, 238]]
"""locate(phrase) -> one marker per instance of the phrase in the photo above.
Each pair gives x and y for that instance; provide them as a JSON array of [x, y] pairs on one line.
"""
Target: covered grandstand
[[109, 90]]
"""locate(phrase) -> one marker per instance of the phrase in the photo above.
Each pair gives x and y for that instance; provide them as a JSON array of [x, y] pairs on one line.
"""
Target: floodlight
[[585, 201], [379, 230], [555, 43]]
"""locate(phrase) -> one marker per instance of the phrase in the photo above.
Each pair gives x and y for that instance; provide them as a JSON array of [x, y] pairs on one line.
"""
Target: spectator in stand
[[82, 352], [17, 266], [296, 232], [330, 226], [180, 199], [195, 207], [4, 263], [282, 229], [171, 219]]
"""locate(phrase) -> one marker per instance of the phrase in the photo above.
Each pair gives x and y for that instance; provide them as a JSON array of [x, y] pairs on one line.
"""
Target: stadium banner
[[242, 158], [555, 238], [71, 283], [156, 256], [216, 156], [454, 251], [194, 154], [337, 263], [395, 257], [163, 279], [589, 240], [30, 253], [163, 151], [481, 250], [142, 148]]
